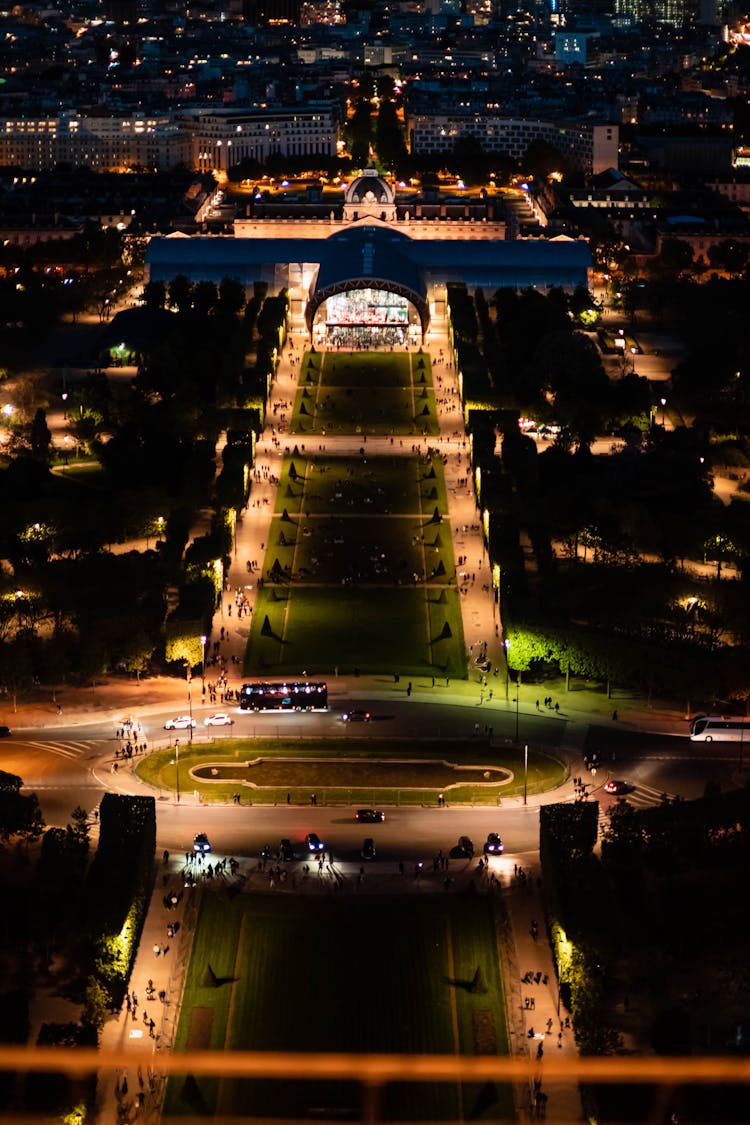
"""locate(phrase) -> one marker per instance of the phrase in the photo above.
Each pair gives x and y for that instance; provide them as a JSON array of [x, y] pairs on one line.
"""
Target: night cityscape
[[374, 561]]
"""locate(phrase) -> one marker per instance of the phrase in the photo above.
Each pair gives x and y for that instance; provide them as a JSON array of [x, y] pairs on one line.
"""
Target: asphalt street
[[74, 764]]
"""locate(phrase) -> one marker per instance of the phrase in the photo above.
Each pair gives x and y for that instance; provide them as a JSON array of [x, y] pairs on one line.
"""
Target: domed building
[[369, 197]]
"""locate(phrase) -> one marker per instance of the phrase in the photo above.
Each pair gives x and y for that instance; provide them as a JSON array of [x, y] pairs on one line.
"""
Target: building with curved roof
[[369, 196], [369, 272]]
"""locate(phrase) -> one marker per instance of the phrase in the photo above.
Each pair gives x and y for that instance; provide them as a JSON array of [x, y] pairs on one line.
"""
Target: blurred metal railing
[[373, 1072]]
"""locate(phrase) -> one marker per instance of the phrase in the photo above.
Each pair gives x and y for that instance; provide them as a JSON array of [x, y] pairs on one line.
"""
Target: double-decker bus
[[717, 728], [284, 696]]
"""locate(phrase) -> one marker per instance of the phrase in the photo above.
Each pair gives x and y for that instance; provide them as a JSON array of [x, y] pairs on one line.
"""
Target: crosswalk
[[64, 748], [640, 797]]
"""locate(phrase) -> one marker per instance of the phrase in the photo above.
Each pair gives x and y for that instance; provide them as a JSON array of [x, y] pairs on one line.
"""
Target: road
[[74, 764]]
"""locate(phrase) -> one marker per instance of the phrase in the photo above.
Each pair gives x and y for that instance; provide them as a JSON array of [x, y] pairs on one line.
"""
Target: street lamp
[[204, 638], [189, 675], [506, 646], [518, 692], [525, 769], [177, 767], [632, 352], [663, 402]]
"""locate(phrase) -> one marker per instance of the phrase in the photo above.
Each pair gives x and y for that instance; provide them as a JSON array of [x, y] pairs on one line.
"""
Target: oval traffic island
[[351, 773]]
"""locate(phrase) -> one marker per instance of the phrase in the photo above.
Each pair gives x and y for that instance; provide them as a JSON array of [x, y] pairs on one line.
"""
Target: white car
[[220, 719], [182, 722]]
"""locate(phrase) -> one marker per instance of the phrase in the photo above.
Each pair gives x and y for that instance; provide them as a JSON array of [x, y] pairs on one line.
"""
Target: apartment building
[[593, 148], [225, 137], [40, 144]]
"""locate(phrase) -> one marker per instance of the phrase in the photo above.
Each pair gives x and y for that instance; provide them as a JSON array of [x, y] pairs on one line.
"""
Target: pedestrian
[[614, 716], [157, 949], [540, 1050]]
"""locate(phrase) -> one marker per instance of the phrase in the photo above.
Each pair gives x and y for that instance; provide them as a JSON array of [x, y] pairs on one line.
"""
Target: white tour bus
[[717, 728]]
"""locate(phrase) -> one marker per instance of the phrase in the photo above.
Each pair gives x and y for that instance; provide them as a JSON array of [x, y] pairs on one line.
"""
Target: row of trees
[[608, 598], [523, 351], [626, 932], [71, 607]]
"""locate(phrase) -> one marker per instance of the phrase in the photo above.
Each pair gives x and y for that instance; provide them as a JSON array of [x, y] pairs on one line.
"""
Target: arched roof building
[[372, 257], [370, 254]]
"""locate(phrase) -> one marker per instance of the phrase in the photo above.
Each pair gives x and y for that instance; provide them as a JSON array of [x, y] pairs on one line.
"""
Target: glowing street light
[[177, 767], [204, 638], [663, 402], [506, 646]]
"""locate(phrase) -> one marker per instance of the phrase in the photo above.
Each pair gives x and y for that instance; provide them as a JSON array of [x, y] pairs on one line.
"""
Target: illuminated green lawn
[[357, 573], [410, 630], [376, 550], [348, 771], [367, 392], [342, 974], [367, 486]]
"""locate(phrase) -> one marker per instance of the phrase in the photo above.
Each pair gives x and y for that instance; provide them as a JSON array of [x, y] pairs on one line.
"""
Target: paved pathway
[[533, 1008], [481, 619]]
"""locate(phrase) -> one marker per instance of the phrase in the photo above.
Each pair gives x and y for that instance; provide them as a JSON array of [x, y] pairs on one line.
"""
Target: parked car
[[355, 717], [369, 816], [286, 851], [182, 722], [201, 843], [368, 848], [494, 845], [5, 732], [313, 842], [219, 719]]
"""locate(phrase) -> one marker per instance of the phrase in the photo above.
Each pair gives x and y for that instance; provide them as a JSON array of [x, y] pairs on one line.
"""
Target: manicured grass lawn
[[392, 629], [371, 369], [341, 974], [367, 392], [384, 550], [336, 783], [344, 558], [349, 485]]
